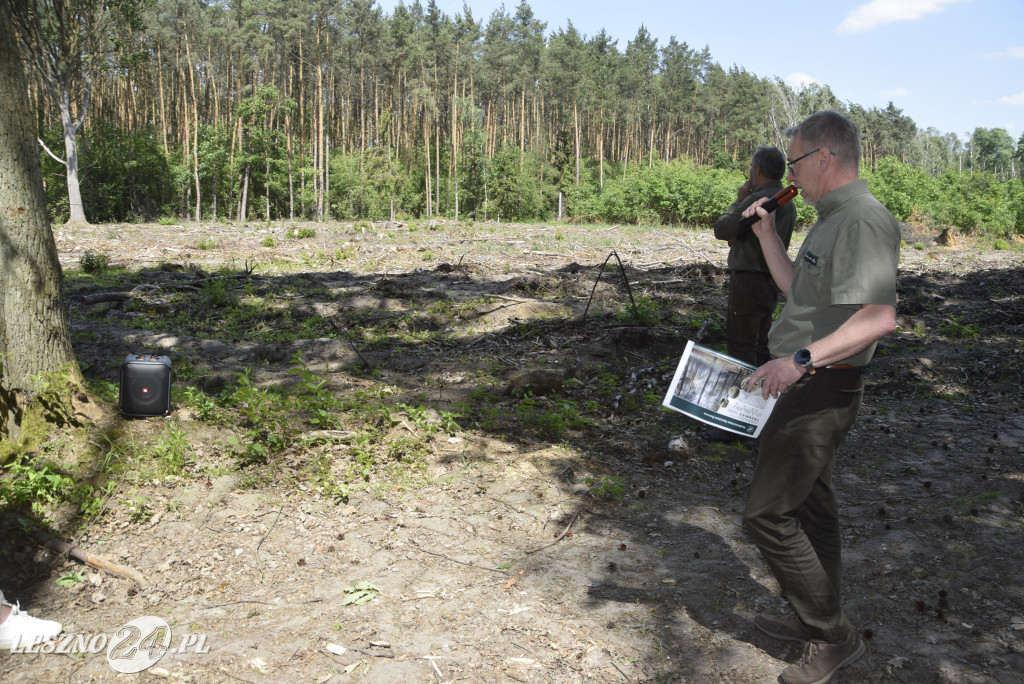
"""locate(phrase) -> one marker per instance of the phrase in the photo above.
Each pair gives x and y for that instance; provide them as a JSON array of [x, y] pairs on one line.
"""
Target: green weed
[[605, 487], [364, 454], [957, 329], [321, 474], [262, 419], [204, 405], [70, 579], [217, 293], [315, 396], [643, 311], [34, 483], [139, 510], [171, 450], [551, 419], [607, 384], [94, 262], [359, 593]]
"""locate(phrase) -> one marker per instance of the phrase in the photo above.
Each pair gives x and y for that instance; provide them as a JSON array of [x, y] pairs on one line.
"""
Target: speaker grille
[[146, 386]]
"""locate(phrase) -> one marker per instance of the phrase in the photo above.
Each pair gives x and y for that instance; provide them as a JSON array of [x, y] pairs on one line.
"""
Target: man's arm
[[727, 227], [871, 323], [771, 245]]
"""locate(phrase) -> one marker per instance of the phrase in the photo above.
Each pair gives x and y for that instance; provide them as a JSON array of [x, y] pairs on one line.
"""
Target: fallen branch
[[80, 555], [259, 565], [553, 254], [454, 560], [327, 435], [352, 343], [700, 254], [559, 537], [107, 297]]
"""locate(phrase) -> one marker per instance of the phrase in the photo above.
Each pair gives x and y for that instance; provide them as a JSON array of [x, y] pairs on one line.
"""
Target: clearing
[[493, 461]]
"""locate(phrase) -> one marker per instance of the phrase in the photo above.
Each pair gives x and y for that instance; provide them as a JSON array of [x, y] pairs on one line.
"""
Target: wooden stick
[[559, 537], [83, 556]]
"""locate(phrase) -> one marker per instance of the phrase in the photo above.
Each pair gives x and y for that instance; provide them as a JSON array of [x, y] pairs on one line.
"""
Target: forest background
[[258, 110]]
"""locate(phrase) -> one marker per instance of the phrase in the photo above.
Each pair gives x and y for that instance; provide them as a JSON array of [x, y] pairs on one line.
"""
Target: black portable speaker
[[146, 385]]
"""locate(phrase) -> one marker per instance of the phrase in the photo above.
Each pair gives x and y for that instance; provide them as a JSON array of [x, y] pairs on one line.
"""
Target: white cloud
[[1014, 100], [1014, 52], [798, 81], [879, 12]]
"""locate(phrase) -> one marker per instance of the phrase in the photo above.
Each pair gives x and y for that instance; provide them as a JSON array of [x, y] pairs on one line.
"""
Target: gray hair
[[832, 130]]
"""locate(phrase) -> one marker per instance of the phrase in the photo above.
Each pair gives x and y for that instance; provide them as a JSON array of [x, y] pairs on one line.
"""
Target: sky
[[953, 65]]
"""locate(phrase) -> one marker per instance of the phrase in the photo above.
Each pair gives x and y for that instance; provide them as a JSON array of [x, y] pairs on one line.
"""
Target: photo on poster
[[711, 387]]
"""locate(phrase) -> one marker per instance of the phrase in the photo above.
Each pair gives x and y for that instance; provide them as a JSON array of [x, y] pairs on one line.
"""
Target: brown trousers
[[752, 301], [791, 512]]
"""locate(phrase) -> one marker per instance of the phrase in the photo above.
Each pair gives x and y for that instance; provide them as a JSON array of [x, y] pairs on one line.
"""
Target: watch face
[[802, 357]]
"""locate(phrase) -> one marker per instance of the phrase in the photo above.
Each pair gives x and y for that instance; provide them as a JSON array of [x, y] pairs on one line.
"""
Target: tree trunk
[[35, 338], [243, 205], [291, 175], [77, 211], [327, 179], [195, 132], [576, 128], [437, 164], [426, 151], [163, 106]]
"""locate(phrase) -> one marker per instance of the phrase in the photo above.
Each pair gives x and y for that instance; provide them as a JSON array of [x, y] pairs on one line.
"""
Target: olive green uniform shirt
[[745, 254], [848, 259]]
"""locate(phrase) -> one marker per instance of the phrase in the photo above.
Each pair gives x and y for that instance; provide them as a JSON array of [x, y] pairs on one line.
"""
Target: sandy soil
[[506, 556]]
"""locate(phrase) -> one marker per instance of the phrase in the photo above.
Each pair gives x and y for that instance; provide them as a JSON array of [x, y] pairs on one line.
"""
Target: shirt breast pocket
[[814, 264]]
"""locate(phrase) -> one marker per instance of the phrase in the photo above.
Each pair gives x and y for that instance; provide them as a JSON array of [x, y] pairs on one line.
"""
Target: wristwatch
[[803, 358]]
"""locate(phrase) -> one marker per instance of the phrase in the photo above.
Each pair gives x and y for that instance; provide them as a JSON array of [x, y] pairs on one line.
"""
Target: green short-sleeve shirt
[[848, 259]]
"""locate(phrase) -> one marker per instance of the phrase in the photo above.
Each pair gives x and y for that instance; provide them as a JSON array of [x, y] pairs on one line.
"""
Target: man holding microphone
[[841, 299]]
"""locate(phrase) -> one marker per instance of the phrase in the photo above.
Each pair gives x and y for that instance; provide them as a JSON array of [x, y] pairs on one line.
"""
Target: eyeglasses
[[792, 162]]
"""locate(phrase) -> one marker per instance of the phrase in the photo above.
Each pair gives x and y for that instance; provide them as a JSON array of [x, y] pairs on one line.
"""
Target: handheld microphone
[[781, 197]]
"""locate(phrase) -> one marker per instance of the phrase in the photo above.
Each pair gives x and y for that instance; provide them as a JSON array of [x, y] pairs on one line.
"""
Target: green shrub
[[217, 293], [643, 311], [979, 203], [605, 487], [303, 233], [94, 262], [900, 187], [33, 482]]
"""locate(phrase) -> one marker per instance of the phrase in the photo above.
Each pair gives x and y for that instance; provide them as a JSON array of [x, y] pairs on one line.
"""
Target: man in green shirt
[[753, 295], [841, 299]]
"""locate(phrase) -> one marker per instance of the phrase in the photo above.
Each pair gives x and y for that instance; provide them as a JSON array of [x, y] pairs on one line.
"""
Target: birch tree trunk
[[71, 126]]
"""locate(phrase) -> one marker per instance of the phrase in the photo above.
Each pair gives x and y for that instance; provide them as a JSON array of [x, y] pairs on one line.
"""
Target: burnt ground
[[511, 493]]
